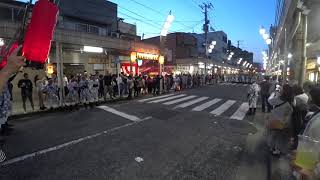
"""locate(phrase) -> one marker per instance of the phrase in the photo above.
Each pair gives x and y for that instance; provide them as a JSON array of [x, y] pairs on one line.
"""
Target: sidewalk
[[278, 168]]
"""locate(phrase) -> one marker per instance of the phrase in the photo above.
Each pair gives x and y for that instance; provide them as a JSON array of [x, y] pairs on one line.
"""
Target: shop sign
[[98, 61], [126, 68], [182, 68], [311, 65], [147, 56]]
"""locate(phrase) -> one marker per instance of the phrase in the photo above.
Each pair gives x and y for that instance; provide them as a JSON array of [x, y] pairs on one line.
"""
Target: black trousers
[[264, 101], [24, 99]]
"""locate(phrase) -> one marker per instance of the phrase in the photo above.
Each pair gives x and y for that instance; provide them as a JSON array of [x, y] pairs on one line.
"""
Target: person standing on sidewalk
[[26, 91], [312, 134], [280, 120], [51, 89], [84, 90], [72, 98], [120, 85], [95, 88], [300, 109], [108, 86], [265, 88], [130, 86], [101, 86], [253, 95], [13, 65], [40, 84]]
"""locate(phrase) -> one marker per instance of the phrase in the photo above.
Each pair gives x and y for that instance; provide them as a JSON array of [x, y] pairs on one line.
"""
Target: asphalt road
[[160, 138]]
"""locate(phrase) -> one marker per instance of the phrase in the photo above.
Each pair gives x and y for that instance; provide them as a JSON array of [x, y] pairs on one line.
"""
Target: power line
[[137, 14], [151, 25], [195, 3], [158, 12]]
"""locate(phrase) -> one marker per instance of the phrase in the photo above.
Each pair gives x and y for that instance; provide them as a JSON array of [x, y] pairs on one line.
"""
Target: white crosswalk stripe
[[206, 105], [154, 98], [221, 109], [190, 103], [241, 112], [202, 103], [179, 100], [168, 98]]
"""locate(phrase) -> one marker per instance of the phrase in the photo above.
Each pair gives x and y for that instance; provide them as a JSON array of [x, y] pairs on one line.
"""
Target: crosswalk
[[218, 107]]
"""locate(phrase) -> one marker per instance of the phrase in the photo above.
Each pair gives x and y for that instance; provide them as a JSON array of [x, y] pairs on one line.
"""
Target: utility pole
[[206, 7], [238, 43]]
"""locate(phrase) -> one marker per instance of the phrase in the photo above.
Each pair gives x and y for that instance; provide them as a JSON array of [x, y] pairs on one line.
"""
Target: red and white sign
[[125, 68]]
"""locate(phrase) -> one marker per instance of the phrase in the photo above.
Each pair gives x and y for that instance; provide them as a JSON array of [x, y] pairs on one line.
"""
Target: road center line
[[119, 113], [70, 143]]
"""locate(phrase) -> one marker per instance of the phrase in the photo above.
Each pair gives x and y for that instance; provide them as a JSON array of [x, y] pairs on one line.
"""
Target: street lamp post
[[163, 35], [133, 58]]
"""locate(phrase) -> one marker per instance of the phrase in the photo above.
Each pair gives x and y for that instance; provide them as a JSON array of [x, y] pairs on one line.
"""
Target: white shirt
[[301, 100], [313, 128], [119, 79]]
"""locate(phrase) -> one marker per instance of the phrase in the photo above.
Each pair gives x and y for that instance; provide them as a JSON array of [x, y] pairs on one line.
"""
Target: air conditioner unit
[[115, 34]]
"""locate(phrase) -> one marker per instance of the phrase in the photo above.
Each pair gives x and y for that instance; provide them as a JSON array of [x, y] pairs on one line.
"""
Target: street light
[[92, 49], [268, 41], [161, 60], [1, 42], [265, 36], [262, 31], [133, 57], [167, 25], [290, 55]]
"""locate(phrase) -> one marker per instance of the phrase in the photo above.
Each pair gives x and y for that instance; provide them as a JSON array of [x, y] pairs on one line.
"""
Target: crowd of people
[[88, 90], [293, 122]]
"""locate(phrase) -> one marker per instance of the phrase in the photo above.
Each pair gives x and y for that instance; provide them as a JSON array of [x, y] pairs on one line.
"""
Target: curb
[[18, 117]]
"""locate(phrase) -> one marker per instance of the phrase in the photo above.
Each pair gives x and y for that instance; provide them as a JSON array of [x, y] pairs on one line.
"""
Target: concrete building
[[188, 53], [84, 23], [239, 53], [296, 31], [219, 53]]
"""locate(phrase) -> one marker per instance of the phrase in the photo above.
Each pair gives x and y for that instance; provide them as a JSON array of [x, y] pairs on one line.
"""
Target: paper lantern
[[50, 69], [161, 60], [133, 57], [39, 33]]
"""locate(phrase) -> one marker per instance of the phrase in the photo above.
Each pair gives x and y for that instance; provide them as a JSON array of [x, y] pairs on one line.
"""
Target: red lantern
[[39, 33]]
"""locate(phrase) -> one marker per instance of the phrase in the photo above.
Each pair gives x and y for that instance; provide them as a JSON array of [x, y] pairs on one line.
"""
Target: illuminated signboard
[[311, 65], [147, 56]]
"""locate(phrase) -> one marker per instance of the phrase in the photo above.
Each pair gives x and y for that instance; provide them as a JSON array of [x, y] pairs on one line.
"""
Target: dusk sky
[[239, 19]]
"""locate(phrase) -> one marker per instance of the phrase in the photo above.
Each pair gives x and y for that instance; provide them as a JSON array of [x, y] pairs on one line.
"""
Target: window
[[94, 29], [224, 50], [81, 27], [87, 28], [224, 39]]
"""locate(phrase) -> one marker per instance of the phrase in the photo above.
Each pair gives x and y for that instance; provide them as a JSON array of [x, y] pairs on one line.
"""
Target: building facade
[[91, 23], [296, 32], [219, 53], [188, 53]]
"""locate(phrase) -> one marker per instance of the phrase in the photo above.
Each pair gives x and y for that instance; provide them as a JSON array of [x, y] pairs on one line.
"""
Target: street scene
[[146, 89]]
